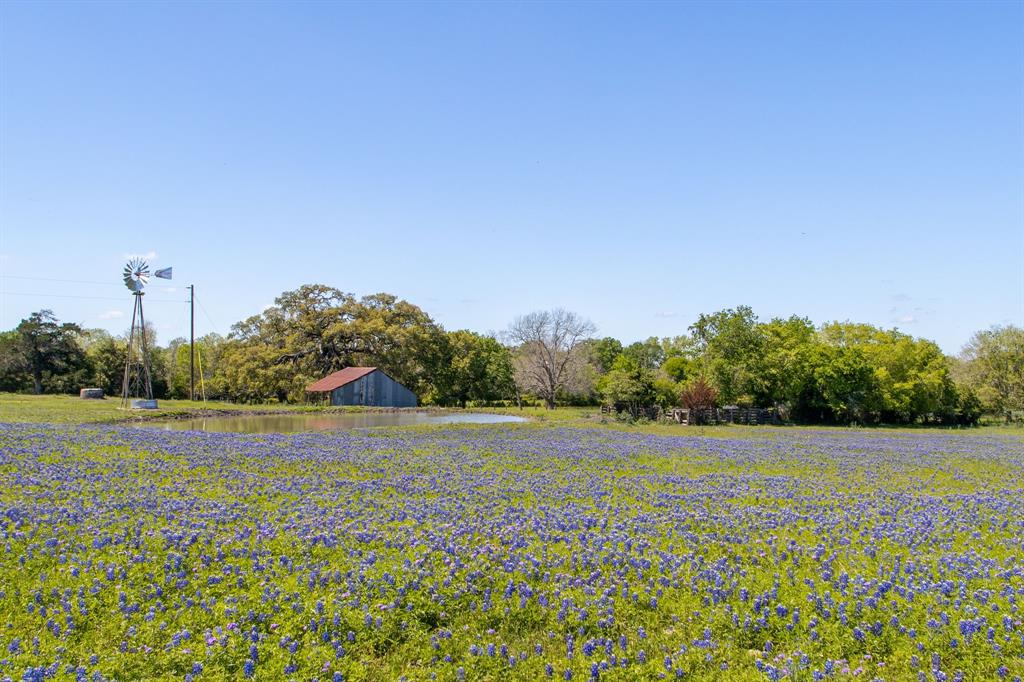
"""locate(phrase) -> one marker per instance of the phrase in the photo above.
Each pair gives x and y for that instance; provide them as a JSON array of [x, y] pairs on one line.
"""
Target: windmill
[[138, 380]]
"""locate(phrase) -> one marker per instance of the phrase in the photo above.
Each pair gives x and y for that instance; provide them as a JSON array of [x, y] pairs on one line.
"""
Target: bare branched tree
[[550, 354]]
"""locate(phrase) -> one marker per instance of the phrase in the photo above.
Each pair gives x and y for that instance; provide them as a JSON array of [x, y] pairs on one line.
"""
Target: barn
[[368, 386]]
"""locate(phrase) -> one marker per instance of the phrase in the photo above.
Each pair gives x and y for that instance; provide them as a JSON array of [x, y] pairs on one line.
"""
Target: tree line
[[838, 372]]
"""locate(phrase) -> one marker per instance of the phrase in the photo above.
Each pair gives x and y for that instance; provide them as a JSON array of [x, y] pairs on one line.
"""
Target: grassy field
[[64, 409], [67, 409], [517, 552], [572, 547]]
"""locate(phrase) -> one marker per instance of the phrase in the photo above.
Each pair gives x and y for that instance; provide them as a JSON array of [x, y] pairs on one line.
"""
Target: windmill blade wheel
[[136, 274]]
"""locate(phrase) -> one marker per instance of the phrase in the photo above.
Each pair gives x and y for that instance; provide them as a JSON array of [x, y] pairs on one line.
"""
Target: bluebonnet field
[[510, 553]]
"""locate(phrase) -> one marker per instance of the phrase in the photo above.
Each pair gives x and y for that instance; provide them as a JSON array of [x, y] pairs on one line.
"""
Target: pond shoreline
[[323, 421], [213, 412]]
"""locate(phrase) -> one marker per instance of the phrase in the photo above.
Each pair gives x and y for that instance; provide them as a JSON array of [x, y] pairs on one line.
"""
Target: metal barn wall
[[376, 389]]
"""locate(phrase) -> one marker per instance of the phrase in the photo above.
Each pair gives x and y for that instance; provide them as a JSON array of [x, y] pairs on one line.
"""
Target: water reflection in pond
[[292, 423]]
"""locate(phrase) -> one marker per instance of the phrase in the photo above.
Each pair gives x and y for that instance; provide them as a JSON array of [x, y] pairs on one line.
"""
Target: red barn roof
[[339, 379]]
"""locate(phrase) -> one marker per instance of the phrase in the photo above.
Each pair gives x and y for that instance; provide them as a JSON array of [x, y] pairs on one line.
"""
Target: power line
[[54, 279], [68, 281], [213, 324], [93, 298]]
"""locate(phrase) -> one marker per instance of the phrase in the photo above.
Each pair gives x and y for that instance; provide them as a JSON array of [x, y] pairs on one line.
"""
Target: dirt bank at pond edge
[[212, 412]]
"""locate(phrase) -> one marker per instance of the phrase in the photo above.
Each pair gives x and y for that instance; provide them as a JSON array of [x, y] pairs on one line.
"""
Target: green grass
[[138, 536], [66, 409]]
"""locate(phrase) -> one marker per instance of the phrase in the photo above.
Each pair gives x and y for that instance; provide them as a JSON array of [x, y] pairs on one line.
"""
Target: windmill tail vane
[[165, 273]]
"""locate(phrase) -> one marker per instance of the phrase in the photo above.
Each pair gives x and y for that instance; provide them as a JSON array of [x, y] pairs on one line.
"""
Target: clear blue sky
[[639, 164]]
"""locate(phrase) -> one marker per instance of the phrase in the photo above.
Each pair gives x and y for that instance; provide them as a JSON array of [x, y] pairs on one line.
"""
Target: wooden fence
[[654, 413], [705, 415], [724, 415]]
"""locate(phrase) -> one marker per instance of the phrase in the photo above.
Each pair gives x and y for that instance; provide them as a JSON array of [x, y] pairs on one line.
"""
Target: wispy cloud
[[149, 255], [111, 315], [906, 309]]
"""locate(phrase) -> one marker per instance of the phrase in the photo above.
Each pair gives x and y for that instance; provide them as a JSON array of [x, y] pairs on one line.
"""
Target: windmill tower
[[138, 379]]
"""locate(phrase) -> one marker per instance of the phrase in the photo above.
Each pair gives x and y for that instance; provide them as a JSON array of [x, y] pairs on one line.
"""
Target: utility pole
[[192, 342]]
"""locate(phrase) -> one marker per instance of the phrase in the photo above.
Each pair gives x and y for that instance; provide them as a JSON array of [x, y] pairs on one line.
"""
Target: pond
[[292, 423]]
